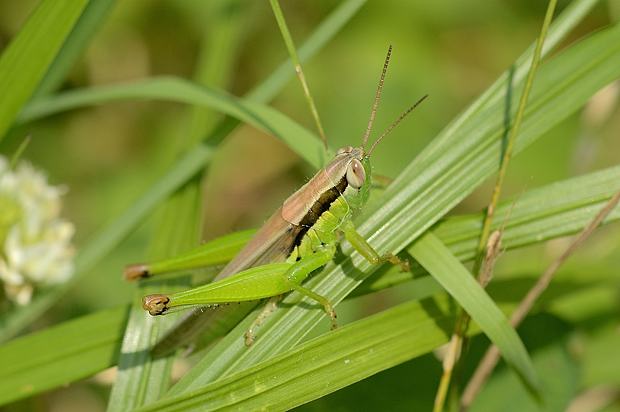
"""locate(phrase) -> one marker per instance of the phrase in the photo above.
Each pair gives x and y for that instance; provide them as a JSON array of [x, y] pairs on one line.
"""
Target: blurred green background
[[107, 156]]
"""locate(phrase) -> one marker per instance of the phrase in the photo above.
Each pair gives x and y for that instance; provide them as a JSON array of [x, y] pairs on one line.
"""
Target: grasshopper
[[299, 238]]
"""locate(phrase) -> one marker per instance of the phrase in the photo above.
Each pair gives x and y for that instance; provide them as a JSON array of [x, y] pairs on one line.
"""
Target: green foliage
[[62, 354], [576, 200], [287, 367]]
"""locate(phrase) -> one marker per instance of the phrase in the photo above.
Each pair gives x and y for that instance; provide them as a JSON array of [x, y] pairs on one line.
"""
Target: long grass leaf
[[91, 19], [61, 354], [27, 58], [175, 89], [552, 211], [437, 259]]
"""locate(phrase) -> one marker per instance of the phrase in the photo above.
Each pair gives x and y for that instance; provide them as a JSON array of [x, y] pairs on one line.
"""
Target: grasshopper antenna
[[393, 125], [375, 105]]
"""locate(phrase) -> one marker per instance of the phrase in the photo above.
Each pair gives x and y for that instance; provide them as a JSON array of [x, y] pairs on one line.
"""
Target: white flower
[[35, 243]]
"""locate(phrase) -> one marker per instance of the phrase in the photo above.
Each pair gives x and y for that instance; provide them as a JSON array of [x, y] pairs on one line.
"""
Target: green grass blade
[[328, 28], [437, 259], [175, 89], [559, 209], [215, 252], [292, 51], [61, 354], [92, 18], [26, 60], [183, 170], [324, 364], [439, 178]]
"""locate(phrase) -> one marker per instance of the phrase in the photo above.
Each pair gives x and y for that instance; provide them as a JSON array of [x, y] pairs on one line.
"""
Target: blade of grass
[[25, 61], [91, 19], [324, 33], [61, 354], [327, 363], [175, 89], [290, 46], [440, 177], [436, 258], [104, 241], [140, 378], [552, 211], [19, 152], [512, 137]]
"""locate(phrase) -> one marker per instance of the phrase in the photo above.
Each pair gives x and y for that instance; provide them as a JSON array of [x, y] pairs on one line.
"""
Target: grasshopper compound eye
[[356, 176]]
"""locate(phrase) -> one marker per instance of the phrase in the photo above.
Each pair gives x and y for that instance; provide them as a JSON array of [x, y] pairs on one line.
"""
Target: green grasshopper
[[299, 238]]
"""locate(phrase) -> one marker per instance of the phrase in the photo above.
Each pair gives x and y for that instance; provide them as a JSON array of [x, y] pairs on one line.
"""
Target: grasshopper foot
[[249, 338], [155, 304], [332, 316], [395, 260]]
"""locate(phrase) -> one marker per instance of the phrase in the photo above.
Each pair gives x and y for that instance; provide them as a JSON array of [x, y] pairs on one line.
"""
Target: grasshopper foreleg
[[301, 269], [368, 252]]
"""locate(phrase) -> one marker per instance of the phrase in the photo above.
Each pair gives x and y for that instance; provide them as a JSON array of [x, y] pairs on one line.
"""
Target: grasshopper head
[[358, 169], [358, 175]]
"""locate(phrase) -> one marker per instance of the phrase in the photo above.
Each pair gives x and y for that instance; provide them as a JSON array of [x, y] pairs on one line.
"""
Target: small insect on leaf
[[299, 238]]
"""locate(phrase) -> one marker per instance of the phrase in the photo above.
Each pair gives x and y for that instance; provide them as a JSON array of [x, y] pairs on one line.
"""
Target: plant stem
[[288, 40], [488, 362], [456, 342]]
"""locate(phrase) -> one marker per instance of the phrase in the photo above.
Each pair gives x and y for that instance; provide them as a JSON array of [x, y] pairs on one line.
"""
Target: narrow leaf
[[91, 19], [436, 258], [61, 354], [27, 58], [175, 89]]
